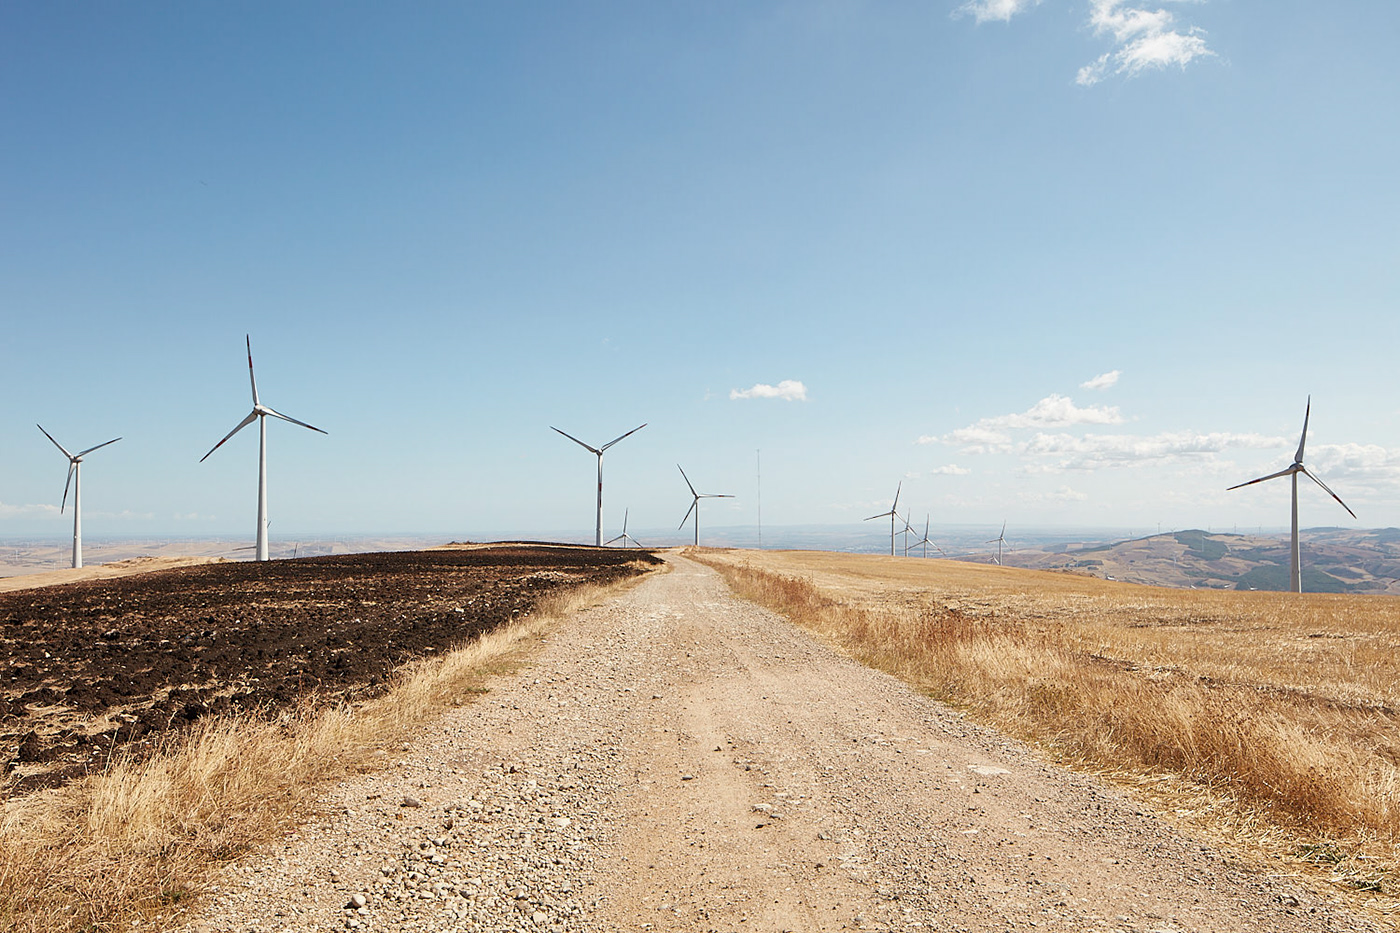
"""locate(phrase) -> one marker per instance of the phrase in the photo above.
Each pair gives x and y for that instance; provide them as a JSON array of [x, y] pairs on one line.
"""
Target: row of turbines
[[625, 537], [1295, 573], [261, 412]]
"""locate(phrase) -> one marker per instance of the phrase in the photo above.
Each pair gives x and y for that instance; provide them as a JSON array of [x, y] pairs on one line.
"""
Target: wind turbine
[[926, 542], [75, 476], [891, 513], [624, 537], [695, 504], [999, 540], [598, 533], [259, 413], [1295, 571]]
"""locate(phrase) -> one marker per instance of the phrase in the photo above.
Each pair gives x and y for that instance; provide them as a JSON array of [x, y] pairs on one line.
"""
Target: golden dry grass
[[1269, 715], [140, 839]]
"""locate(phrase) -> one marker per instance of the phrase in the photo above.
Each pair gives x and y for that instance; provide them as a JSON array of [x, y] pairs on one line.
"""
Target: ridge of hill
[[1335, 560]]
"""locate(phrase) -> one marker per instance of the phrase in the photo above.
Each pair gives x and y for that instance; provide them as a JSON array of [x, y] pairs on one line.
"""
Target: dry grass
[[1270, 716], [134, 842]]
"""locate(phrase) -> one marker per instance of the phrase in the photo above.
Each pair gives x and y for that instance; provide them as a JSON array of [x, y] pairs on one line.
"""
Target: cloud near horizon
[[790, 390]]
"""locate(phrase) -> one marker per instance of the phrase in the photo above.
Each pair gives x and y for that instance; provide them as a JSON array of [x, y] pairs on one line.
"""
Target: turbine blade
[[251, 379], [611, 540], [1264, 478], [252, 416], [687, 481], [1308, 473], [278, 414], [628, 434], [576, 440], [84, 453], [881, 515], [693, 504], [896, 495], [72, 465], [1298, 457], [55, 443]]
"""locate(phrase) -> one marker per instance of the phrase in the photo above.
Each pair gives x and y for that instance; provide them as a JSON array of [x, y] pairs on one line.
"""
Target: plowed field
[[88, 669]]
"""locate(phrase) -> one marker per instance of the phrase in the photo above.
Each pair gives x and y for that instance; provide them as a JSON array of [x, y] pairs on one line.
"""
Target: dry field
[[126, 835], [1267, 719]]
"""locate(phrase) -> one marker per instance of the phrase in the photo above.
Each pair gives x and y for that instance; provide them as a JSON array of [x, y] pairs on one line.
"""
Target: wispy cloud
[[1102, 381], [950, 469], [994, 10], [1099, 450], [1146, 39], [789, 390], [989, 435], [28, 511]]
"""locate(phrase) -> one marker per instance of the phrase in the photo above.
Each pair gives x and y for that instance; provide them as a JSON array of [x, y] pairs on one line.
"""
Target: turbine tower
[[695, 504], [75, 476], [624, 537], [598, 532], [999, 540], [891, 513], [1295, 569], [259, 414]]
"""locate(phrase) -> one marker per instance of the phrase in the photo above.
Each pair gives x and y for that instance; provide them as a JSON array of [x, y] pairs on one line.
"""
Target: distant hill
[[1335, 560]]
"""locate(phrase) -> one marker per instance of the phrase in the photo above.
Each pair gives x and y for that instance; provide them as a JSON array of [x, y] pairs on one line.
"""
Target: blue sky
[[1058, 263]]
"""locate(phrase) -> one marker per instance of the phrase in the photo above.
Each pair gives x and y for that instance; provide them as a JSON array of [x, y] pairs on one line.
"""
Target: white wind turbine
[[891, 513], [624, 537], [926, 542], [695, 504], [75, 476], [259, 414], [598, 532], [1295, 570], [999, 540]]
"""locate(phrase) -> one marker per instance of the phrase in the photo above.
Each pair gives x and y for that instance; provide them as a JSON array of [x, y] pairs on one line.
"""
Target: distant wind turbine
[[75, 470], [695, 504], [1295, 571], [999, 540], [598, 532], [259, 414], [926, 542], [624, 537], [891, 513]]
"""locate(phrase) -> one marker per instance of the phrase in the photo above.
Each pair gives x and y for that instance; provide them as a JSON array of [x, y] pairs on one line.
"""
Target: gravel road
[[678, 759]]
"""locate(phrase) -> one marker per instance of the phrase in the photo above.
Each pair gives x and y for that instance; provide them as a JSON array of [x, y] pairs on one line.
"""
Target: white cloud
[[995, 10], [1146, 40], [1063, 494], [1102, 381], [1367, 466], [989, 435], [1097, 450], [789, 390], [18, 511], [950, 469]]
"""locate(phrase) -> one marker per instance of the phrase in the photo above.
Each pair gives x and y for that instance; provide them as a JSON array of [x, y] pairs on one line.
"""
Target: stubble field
[[1270, 719]]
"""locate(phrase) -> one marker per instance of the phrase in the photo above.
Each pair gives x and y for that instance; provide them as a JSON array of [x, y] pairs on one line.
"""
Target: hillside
[[1335, 560]]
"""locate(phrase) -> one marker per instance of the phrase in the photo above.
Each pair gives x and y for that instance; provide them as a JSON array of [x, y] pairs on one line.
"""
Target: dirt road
[[679, 760]]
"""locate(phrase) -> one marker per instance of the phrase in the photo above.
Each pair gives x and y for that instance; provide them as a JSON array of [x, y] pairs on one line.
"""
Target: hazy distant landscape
[[1335, 560]]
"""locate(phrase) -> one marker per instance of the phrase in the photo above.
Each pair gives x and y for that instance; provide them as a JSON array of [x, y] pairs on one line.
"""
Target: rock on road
[[678, 759]]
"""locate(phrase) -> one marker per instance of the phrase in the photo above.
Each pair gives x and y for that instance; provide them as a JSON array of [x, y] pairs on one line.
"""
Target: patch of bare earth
[[678, 759]]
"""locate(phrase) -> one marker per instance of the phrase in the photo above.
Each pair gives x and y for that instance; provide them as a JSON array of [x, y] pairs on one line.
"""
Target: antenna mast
[[759, 497]]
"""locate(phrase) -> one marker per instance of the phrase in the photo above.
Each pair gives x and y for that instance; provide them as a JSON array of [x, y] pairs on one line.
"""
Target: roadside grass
[[1269, 720], [144, 838]]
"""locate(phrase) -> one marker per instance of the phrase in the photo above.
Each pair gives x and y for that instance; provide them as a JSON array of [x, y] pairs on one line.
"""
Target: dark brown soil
[[91, 668]]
